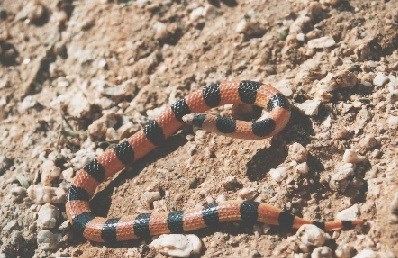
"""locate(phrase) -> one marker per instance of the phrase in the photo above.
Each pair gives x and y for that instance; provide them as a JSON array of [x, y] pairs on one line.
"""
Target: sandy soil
[[78, 76]]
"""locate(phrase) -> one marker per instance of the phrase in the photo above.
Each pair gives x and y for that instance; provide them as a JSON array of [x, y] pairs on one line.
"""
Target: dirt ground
[[78, 76]]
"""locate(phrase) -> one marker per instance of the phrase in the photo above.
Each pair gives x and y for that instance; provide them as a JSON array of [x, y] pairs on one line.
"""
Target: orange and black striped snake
[[189, 110]]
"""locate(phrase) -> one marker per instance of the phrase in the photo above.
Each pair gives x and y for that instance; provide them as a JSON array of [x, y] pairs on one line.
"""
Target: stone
[[46, 194], [48, 240], [322, 252], [49, 172], [300, 37], [297, 152], [308, 236], [367, 253], [147, 198], [340, 179], [278, 174], [302, 168], [47, 216], [33, 11], [196, 13], [98, 128], [351, 156], [320, 43], [392, 122], [248, 194], [380, 80], [309, 107], [352, 213], [177, 245], [78, 105], [343, 251]]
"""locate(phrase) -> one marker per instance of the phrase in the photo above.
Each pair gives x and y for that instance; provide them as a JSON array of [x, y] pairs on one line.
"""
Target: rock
[[248, 194], [380, 80], [249, 28], [394, 204], [34, 11], [299, 24], [46, 194], [48, 240], [284, 86], [177, 245], [322, 252], [339, 180], [128, 88], [320, 43], [297, 152], [392, 122], [367, 253], [309, 107], [343, 251], [231, 183], [19, 192], [302, 168], [351, 156], [98, 128], [147, 198], [367, 143], [11, 225], [47, 216], [278, 174], [309, 235], [196, 13], [351, 213], [49, 172], [374, 187], [300, 37], [78, 105]]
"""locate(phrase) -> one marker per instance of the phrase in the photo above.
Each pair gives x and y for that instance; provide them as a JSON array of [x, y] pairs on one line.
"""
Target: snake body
[[189, 110]]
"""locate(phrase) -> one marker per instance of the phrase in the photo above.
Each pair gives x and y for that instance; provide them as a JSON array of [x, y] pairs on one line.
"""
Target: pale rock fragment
[[48, 240], [310, 107], [340, 179], [177, 245], [278, 174], [46, 194], [309, 235], [351, 156], [351, 213], [322, 252], [47, 216], [320, 43]]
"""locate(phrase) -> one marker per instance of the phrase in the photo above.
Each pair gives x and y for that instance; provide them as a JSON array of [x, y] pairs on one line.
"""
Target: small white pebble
[[309, 235], [309, 107], [278, 174], [248, 194], [47, 216], [380, 80], [320, 43], [339, 180], [177, 245], [196, 13], [46, 194], [302, 168], [367, 253], [343, 251], [297, 152], [48, 240], [322, 252], [352, 213], [351, 156], [147, 198], [209, 199], [300, 37]]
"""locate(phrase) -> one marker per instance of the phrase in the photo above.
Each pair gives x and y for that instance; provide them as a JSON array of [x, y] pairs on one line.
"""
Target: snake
[[188, 110]]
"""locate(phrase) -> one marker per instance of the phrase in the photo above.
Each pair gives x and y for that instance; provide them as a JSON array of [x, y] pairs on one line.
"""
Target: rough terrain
[[78, 76]]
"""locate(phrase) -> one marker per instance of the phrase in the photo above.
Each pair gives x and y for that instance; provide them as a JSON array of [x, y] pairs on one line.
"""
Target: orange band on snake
[[188, 110]]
